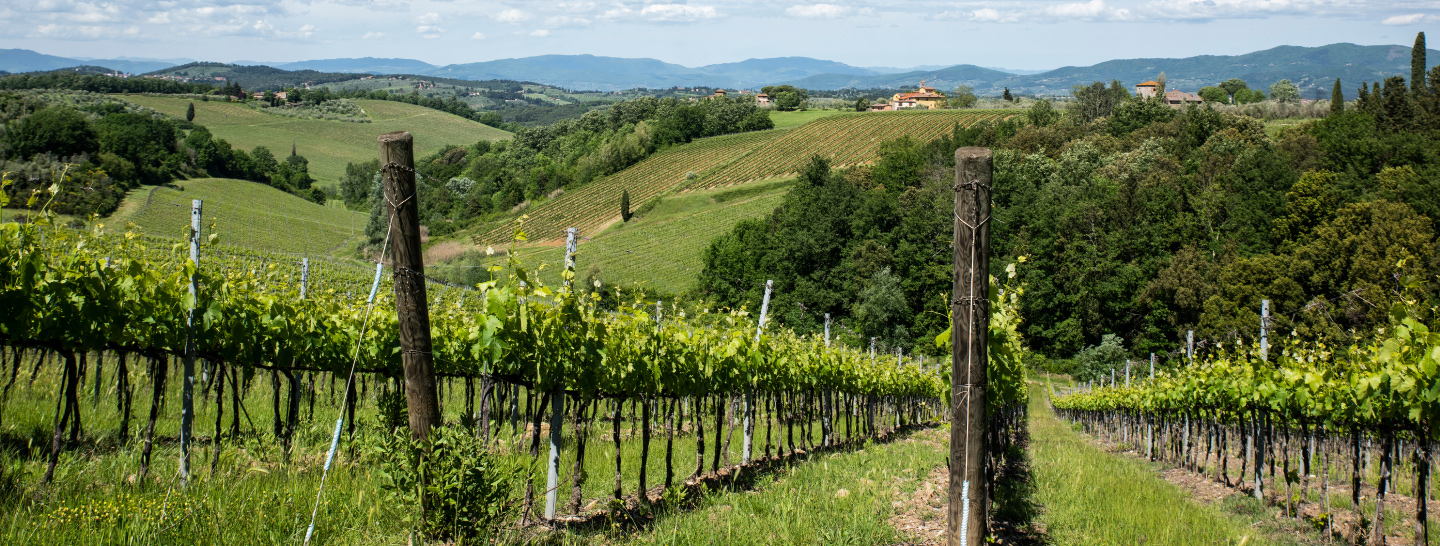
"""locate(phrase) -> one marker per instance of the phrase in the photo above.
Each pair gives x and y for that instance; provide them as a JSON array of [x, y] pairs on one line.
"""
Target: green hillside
[[659, 250], [242, 213], [329, 145]]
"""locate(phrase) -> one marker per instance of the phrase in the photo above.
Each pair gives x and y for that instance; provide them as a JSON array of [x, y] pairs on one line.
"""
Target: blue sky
[[1029, 34]]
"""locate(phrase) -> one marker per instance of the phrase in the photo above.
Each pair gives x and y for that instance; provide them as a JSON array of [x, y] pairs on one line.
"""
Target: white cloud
[[512, 16], [818, 11], [373, 35], [477, 36], [540, 33], [1408, 19], [1206, 10], [565, 21], [428, 25], [677, 12]]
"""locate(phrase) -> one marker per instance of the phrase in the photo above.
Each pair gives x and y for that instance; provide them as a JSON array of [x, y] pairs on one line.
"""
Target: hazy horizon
[[1031, 35]]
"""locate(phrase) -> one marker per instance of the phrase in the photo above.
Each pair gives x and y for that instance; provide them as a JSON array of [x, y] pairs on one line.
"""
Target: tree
[[190, 112], [963, 97], [1284, 91], [861, 104], [788, 100], [1042, 114], [880, 310], [1160, 89], [58, 130], [1233, 86], [1247, 96], [1096, 101], [625, 213], [1214, 94], [1337, 99], [1417, 65], [1007, 96], [1097, 361]]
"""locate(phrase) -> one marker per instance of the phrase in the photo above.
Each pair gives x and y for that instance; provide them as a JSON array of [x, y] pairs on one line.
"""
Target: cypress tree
[[1337, 99], [1007, 96], [190, 112], [1417, 65], [1362, 103], [625, 205]]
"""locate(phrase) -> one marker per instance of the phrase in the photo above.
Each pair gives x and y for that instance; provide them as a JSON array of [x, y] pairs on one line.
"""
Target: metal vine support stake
[[304, 275], [970, 314], [748, 425], [557, 405], [187, 399]]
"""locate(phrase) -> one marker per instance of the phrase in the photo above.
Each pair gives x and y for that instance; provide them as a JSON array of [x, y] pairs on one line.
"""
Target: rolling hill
[[329, 145], [847, 139], [243, 213]]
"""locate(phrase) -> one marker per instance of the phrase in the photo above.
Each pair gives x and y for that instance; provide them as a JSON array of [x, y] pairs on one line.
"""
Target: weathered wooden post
[[187, 398], [397, 159], [970, 312], [304, 275]]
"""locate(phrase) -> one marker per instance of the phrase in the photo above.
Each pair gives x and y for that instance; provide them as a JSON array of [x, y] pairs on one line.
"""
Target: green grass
[[660, 250], [255, 497], [1091, 497], [791, 119], [242, 213], [329, 145]]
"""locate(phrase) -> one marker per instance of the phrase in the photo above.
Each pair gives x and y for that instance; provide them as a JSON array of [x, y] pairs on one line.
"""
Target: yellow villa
[[925, 97]]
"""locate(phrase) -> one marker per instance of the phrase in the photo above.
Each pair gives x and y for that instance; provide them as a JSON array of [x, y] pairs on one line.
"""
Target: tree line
[[97, 150], [1135, 219]]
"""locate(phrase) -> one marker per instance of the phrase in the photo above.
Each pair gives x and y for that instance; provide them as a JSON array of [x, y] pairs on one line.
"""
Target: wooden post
[[872, 348], [397, 158], [1127, 373], [749, 425], [187, 398], [304, 275], [970, 312]]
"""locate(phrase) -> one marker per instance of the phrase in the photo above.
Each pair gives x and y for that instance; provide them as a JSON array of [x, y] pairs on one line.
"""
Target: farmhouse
[[924, 97], [1181, 98], [762, 99], [1146, 89]]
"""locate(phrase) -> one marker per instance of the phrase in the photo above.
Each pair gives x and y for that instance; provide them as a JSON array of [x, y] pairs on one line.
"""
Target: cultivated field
[[243, 213], [847, 139], [660, 251], [329, 145]]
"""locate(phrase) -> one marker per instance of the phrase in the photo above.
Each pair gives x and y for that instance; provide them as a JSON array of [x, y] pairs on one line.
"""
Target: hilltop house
[[762, 99], [1181, 98], [924, 97], [719, 93], [1145, 90]]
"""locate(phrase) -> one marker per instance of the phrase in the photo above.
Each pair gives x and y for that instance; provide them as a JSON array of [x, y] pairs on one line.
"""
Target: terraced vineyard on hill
[[851, 139], [593, 206], [847, 139], [660, 252]]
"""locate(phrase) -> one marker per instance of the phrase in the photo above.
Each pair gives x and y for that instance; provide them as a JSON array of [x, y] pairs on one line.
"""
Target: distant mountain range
[[1313, 69]]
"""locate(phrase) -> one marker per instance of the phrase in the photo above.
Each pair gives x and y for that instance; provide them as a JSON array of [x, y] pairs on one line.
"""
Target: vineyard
[[659, 252], [246, 213], [847, 139], [117, 311], [1359, 418], [595, 205]]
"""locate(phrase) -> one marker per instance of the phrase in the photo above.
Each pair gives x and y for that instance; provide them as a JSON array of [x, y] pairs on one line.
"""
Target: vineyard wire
[[350, 379]]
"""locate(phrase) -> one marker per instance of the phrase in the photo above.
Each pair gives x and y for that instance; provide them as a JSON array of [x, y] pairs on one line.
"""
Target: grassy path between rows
[[1090, 497]]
